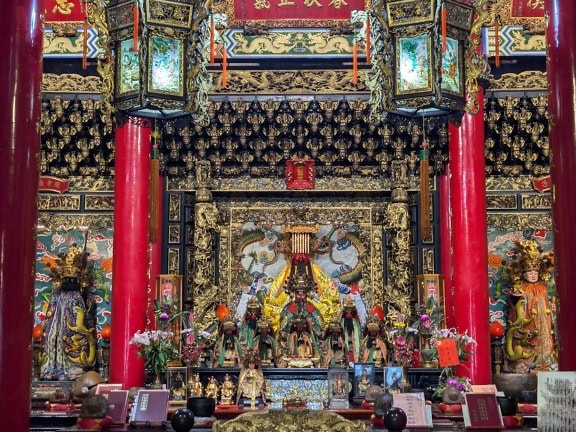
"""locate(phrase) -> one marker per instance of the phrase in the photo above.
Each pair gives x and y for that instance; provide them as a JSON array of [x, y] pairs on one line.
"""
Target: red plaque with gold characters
[[64, 10], [300, 173], [527, 9]]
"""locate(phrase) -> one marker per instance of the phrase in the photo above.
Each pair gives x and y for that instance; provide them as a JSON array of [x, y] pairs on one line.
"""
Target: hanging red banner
[[527, 9], [293, 13], [63, 10]]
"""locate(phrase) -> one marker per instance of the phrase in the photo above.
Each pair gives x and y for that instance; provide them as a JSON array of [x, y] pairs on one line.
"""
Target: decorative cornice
[[71, 83], [520, 221], [523, 81]]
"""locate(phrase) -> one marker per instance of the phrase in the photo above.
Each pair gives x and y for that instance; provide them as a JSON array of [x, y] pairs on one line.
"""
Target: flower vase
[[157, 382]]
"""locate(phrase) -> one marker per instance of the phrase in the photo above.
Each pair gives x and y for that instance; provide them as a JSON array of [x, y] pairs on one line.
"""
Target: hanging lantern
[[420, 70], [157, 47]]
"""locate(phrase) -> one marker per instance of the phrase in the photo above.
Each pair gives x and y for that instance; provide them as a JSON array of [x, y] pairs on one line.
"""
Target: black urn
[[182, 420], [382, 404], [395, 419], [201, 406], [508, 405]]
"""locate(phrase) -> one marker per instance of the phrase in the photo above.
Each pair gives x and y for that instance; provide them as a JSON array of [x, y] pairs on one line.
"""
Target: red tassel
[[136, 24], [85, 45], [497, 45], [443, 29], [212, 37], [368, 39], [224, 67], [355, 63]]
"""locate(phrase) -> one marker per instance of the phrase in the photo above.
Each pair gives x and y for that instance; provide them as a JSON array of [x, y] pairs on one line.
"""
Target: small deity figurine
[[363, 382], [249, 324], [265, 344], [178, 390], [350, 322], [339, 387], [251, 382], [196, 387], [373, 348], [301, 339], [227, 352], [227, 390], [334, 349], [212, 388]]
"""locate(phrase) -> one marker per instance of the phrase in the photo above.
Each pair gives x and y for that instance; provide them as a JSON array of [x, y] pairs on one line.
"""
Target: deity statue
[[227, 351], [196, 387], [529, 341], [335, 353], [212, 388], [339, 387], [178, 389], [227, 390], [251, 382], [363, 382], [70, 334], [373, 348], [352, 327], [265, 344], [249, 323]]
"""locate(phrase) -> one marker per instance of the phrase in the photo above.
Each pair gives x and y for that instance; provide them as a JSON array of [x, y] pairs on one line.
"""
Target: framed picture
[[393, 378], [364, 377], [176, 379], [338, 388]]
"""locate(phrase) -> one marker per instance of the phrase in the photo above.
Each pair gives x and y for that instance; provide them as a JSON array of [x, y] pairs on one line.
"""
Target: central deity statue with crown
[[300, 302]]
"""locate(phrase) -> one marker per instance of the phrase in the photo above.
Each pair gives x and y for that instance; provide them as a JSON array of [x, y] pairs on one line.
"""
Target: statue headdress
[[528, 256], [72, 264]]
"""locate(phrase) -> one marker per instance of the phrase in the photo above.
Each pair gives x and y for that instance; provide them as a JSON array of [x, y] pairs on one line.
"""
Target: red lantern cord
[[497, 45], [85, 37], [212, 37], [355, 63], [368, 39], [85, 45], [443, 23], [224, 67], [136, 24]]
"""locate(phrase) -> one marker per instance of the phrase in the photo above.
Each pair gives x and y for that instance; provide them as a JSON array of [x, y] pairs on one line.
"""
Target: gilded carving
[[174, 205], [174, 234], [506, 18], [400, 259], [536, 202], [173, 261], [285, 421], [289, 82], [71, 83], [512, 184], [59, 202], [67, 221], [520, 221], [527, 80], [501, 202], [99, 203]]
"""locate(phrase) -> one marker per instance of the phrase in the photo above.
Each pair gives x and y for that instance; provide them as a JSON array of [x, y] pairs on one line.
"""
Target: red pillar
[[470, 245], [130, 280], [561, 68], [21, 66], [446, 245]]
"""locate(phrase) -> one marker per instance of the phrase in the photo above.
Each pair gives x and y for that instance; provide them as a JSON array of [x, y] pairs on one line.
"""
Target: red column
[[130, 281], [21, 66], [561, 68], [446, 245], [470, 245]]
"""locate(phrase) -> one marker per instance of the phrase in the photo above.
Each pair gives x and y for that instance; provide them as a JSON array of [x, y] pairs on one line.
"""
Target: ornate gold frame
[[215, 279]]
